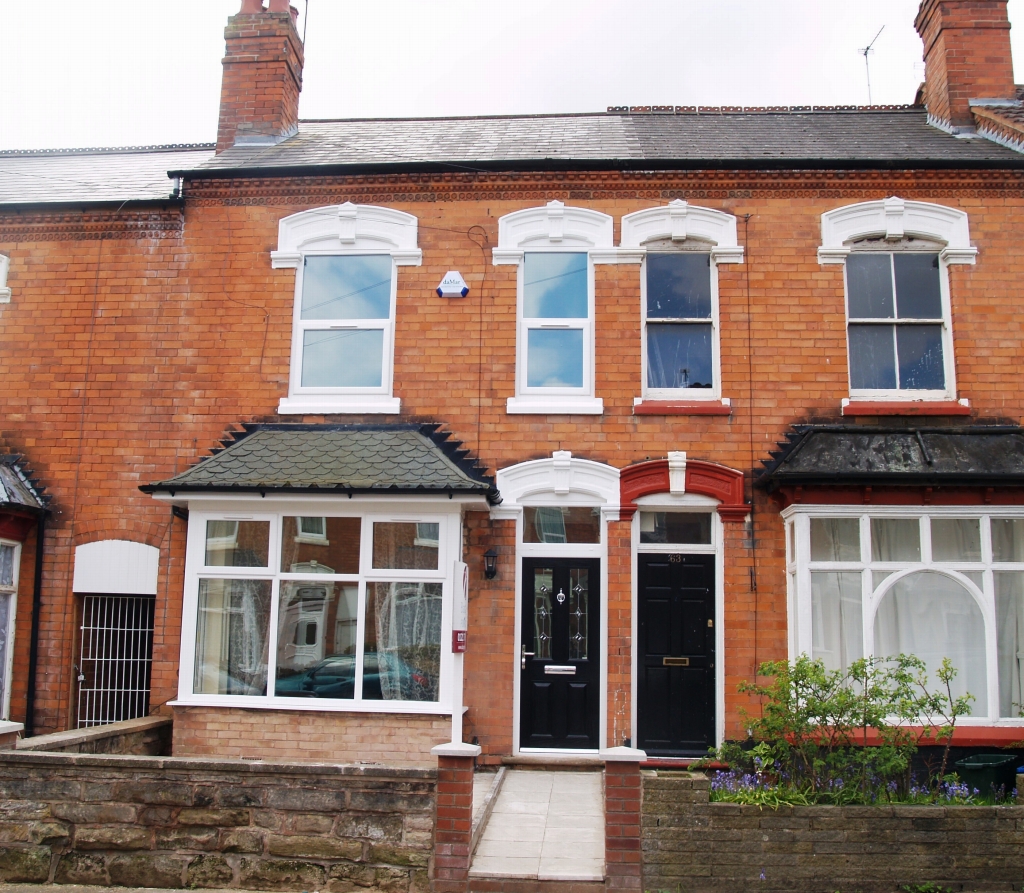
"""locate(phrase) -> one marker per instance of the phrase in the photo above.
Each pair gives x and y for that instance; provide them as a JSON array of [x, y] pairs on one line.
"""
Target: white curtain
[[956, 539], [1007, 539], [932, 616], [895, 539], [1010, 639], [835, 539], [837, 636], [232, 639]]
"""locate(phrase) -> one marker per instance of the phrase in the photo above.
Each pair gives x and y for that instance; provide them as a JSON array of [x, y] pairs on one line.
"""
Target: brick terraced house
[[621, 404]]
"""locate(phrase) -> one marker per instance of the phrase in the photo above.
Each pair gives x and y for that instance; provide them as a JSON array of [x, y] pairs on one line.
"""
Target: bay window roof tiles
[[365, 459], [18, 491], [845, 455]]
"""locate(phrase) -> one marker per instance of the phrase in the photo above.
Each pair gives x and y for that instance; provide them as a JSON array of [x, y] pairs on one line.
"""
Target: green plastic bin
[[987, 771]]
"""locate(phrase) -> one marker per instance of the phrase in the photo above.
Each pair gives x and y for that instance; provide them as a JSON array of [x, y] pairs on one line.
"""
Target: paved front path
[[545, 825]]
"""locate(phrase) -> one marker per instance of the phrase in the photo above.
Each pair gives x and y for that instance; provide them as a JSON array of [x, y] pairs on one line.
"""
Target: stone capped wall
[[693, 846], [168, 822]]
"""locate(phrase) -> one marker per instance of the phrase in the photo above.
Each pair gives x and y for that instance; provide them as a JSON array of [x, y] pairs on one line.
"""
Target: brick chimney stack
[[966, 55], [259, 93]]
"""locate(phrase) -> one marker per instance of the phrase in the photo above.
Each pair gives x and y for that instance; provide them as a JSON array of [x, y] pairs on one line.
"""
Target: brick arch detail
[[705, 478]]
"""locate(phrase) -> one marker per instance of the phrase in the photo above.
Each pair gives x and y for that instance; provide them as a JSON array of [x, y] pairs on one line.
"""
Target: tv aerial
[[865, 51]]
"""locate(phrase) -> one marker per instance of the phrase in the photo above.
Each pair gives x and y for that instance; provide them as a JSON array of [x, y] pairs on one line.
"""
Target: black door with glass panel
[[676, 654], [560, 657]]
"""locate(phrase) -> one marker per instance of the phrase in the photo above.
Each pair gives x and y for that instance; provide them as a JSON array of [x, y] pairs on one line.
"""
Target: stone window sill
[[906, 408], [681, 407]]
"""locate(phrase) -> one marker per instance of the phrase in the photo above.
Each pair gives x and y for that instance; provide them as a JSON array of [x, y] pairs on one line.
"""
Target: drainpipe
[[33, 648]]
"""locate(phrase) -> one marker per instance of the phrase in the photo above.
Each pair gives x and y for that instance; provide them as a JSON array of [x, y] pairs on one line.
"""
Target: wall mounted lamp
[[490, 564]]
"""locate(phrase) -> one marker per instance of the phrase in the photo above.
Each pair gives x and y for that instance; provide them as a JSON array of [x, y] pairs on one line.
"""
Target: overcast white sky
[[143, 72]]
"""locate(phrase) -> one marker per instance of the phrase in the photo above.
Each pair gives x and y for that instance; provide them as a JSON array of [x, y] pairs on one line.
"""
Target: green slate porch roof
[[331, 459], [988, 456]]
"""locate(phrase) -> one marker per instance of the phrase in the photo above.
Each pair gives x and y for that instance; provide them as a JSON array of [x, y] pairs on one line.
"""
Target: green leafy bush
[[843, 737]]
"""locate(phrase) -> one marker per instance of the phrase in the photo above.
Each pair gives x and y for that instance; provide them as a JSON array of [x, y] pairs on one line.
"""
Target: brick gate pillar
[[623, 856], [453, 821]]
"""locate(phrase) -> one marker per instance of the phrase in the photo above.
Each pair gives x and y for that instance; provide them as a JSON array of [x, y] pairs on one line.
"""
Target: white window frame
[[715, 391], [685, 228], [12, 591], [948, 366], [799, 567], [340, 230], [447, 515], [888, 224], [558, 229], [5, 292]]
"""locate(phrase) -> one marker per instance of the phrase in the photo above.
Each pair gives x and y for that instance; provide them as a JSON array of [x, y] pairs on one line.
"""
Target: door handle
[[527, 654]]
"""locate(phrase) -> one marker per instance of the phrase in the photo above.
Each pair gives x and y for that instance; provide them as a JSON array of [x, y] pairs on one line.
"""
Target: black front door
[[560, 655], [676, 654]]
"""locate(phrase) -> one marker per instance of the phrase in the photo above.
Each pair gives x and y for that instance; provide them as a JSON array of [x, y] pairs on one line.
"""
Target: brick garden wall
[[392, 739], [138, 821], [692, 846]]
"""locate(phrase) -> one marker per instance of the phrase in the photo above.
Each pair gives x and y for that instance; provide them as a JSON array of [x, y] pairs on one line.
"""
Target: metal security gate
[[117, 652]]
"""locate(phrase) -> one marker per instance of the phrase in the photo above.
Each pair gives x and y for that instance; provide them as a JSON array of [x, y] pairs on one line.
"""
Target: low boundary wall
[[145, 736], [183, 822], [693, 846]]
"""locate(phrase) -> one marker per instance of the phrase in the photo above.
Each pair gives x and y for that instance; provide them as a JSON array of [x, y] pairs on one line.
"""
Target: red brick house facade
[[656, 299]]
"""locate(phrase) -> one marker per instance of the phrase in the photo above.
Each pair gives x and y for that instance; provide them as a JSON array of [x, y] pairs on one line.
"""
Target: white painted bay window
[[336, 612], [936, 583]]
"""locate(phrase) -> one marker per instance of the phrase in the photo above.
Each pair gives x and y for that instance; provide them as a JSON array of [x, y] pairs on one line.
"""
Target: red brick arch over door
[[704, 478]]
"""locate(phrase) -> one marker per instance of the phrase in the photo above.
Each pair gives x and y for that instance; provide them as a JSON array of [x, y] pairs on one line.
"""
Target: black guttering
[[629, 165]]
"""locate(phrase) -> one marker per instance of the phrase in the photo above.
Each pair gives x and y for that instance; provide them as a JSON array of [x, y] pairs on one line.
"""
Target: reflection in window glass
[[335, 551], [405, 545], [237, 543], [345, 358], [932, 616], [679, 355], [543, 578], [555, 286], [232, 637], [1007, 539], [678, 286], [895, 539], [1010, 640], [554, 358], [837, 636], [566, 524], [872, 358], [675, 527], [920, 353], [316, 639], [956, 539], [917, 286], [402, 654], [346, 287], [869, 286], [835, 539]]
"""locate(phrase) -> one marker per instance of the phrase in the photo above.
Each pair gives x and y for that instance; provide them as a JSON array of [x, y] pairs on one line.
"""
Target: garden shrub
[[844, 736]]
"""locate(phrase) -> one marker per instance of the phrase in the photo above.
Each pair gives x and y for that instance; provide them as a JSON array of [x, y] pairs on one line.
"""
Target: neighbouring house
[[351, 439]]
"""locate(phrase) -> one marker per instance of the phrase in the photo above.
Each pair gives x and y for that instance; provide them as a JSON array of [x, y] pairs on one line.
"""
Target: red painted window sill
[[915, 408], [681, 407]]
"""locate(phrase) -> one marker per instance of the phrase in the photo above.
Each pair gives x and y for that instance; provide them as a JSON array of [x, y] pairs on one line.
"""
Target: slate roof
[[94, 175], [842, 455], [379, 459], [18, 491], [881, 137]]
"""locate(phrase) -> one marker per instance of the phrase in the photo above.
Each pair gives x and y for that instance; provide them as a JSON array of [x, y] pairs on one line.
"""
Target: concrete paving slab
[[544, 825]]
